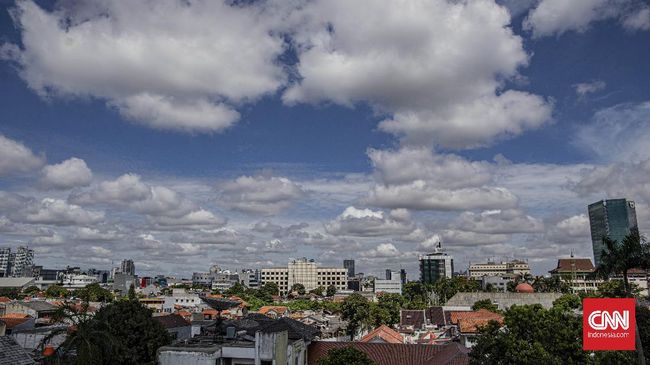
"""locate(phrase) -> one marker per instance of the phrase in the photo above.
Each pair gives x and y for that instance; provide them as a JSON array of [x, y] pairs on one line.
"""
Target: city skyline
[[242, 149]]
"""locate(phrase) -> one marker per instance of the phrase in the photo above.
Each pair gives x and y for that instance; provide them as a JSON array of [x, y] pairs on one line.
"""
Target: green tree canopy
[[31, 290], [318, 291], [94, 293], [56, 291], [356, 310], [298, 288], [331, 290], [347, 355], [485, 304]]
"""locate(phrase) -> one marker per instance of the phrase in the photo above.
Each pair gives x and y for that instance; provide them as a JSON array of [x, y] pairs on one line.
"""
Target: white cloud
[[166, 64], [382, 250], [554, 17], [367, 223], [16, 158], [418, 179], [617, 133], [93, 234], [67, 174], [261, 194], [571, 230], [585, 88], [129, 190], [498, 222], [436, 67], [57, 212], [192, 220]]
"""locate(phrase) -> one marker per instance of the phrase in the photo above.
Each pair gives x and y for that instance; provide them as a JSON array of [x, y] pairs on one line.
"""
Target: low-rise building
[[393, 284], [502, 300], [491, 268], [77, 281], [579, 273], [177, 326]]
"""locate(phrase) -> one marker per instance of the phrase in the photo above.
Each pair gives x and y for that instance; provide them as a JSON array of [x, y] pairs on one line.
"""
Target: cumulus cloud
[[574, 229], [396, 56], [67, 174], [554, 17], [498, 221], [198, 219], [94, 234], [166, 64], [16, 158], [585, 88], [617, 133], [260, 194], [418, 179], [129, 190], [367, 223], [57, 212], [382, 250]]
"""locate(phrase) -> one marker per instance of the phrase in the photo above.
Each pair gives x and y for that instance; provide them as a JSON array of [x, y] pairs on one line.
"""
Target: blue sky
[[245, 135]]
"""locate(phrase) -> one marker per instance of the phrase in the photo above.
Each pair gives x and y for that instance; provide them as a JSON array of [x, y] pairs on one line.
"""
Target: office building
[[436, 265], [492, 268], [305, 272], [403, 277], [392, 284], [613, 218], [349, 265], [127, 267], [5, 262], [22, 262]]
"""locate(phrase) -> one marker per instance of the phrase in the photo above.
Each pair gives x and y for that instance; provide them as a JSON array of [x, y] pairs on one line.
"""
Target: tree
[[391, 304], [11, 293], [554, 284], [347, 355], [31, 290], [56, 291], [416, 295], [619, 258], [616, 289], [318, 291], [568, 302], [137, 335], [94, 293], [298, 288], [446, 288], [237, 289], [331, 290], [267, 291], [89, 340], [485, 304], [356, 310]]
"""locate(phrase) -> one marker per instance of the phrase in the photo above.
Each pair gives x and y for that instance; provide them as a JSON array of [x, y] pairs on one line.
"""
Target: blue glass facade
[[613, 218]]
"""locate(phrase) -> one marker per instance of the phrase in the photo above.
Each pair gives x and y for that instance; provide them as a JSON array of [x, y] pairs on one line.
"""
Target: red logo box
[[608, 323]]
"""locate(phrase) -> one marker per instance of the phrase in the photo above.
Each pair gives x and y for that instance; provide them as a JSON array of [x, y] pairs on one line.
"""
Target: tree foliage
[[298, 288], [31, 290], [347, 355], [356, 310], [94, 293], [56, 291], [485, 304], [331, 290]]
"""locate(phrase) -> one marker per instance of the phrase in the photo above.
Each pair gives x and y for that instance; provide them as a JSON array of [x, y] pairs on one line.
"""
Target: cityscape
[[324, 182]]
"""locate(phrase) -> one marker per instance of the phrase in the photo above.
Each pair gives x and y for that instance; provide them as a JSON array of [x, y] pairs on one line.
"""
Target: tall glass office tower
[[614, 218]]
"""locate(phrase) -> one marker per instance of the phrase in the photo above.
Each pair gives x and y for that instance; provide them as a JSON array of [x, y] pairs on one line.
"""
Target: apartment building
[[490, 268], [305, 272]]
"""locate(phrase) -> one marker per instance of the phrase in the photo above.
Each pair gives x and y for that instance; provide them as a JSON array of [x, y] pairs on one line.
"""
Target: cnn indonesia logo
[[608, 323]]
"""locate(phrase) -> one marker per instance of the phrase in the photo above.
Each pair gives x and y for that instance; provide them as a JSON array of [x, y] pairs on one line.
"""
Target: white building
[[5, 261], [305, 272], [19, 264], [77, 281], [579, 273], [392, 285], [490, 268]]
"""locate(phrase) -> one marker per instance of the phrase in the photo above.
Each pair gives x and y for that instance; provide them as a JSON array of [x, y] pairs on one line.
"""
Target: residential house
[[274, 311], [178, 327], [41, 310], [383, 334]]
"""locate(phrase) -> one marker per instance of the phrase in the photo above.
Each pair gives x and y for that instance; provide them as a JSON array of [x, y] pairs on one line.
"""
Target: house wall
[[188, 358]]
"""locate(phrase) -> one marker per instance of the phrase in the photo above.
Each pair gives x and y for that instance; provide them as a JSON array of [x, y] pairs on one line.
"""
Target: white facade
[[515, 267], [77, 281], [305, 272], [5, 255], [393, 285]]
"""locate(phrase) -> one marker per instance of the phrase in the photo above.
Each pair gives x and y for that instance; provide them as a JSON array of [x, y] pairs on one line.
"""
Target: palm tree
[[618, 258], [88, 341]]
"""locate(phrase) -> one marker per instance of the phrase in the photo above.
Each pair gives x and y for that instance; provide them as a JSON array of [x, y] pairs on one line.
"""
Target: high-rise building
[[389, 274], [127, 267], [613, 218], [436, 265], [403, 277], [5, 262], [305, 272], [349, 266], [23, 262]]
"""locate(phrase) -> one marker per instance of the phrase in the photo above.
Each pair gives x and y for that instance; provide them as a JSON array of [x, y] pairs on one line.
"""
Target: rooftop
[[383, 333], [12, 354], [400, 354], [15, 282], [172, 321], [574, 264]]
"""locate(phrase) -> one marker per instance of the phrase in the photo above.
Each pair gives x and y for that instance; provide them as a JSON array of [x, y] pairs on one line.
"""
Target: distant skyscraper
[[389, 274], [127, 267], [5, 262], [614, 218], [436, 265], [23, 262], [349, 265], [402, 276]]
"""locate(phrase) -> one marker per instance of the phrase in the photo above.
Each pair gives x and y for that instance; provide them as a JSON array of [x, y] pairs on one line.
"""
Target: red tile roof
[[471, 325], [385, 333], [481, 313], [4, 300], [12, 322], [569, 265], [279, 309], [396, 354]]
